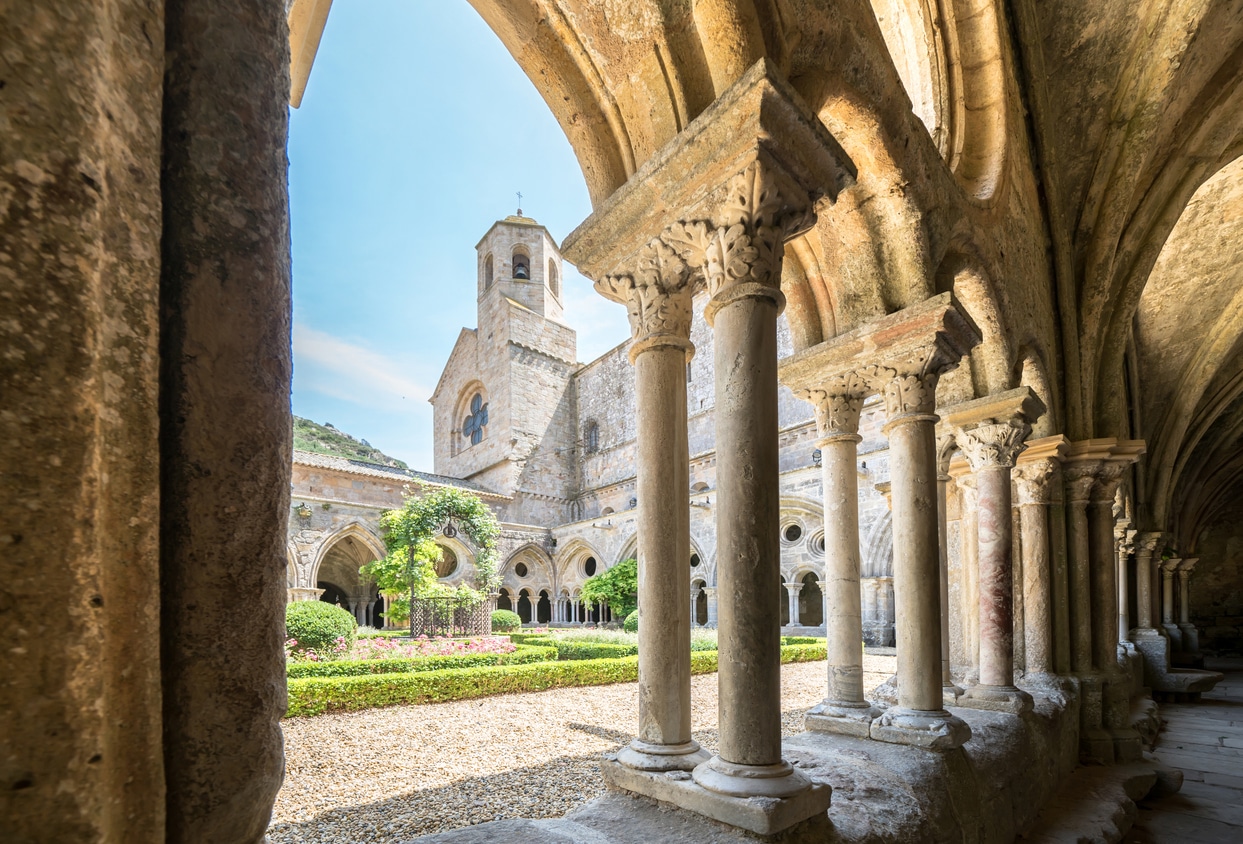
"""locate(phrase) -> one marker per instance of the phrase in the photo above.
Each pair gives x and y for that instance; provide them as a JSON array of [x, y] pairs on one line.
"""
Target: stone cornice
[[899, 355]]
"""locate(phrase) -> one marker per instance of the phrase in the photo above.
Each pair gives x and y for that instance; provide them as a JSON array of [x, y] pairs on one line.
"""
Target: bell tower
[[519, 260]]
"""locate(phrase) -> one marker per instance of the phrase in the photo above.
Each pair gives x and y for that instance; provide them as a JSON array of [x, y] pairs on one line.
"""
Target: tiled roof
[[375, 470]]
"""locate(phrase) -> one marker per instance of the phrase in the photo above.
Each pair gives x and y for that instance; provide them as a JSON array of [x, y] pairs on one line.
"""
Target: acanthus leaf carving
[[993, 444]]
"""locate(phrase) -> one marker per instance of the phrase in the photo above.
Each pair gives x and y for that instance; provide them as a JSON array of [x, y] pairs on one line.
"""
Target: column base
[[1096, 745], [997, 699], [1174, 635], [645, 756], [733, 780], [1127, 745], [760, 813], [842, 718], [950, 693], [931, 730]]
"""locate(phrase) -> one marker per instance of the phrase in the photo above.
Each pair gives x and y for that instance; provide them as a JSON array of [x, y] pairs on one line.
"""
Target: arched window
[[591, 437], [554, 281], [472, 428], [522, 265], [487, 273]]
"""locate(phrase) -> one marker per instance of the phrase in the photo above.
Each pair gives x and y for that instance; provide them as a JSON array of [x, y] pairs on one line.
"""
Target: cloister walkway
[[1205, 741]]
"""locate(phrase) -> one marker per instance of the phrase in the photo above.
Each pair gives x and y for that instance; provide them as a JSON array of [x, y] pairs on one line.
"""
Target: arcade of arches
[[1000, 238]]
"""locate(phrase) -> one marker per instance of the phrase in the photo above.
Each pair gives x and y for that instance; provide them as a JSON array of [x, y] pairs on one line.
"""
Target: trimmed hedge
[[505, 621], [631, 624], [407, 665], [568, 649], [318, 625], [801, 640], [317, 695]]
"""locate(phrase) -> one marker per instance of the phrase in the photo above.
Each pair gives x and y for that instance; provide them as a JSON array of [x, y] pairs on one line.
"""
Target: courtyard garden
[[341, 671]]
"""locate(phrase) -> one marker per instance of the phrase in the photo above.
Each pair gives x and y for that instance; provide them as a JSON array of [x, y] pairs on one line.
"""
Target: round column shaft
[[919, 718], [664, 738], [1037, 568], [844, 709]]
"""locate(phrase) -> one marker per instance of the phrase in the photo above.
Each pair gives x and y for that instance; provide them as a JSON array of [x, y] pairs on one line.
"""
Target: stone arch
[[465, 559], [520, 262], [541, 571], [554, 277], [358, 530], [701, 571], [962, 270], [912, 32], [1030, 371], [489, 271], [878, 548], [977, 147], [629, 549], [569, 562]]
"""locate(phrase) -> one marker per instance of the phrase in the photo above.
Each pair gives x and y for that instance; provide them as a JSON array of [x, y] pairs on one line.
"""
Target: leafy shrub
[[318, 626], [631, 624], [360, 667], [316, 695], [594, 650], [503, 621], [801, 640]]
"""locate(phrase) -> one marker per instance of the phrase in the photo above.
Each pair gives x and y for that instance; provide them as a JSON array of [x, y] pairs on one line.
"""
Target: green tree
[[409, 536], [618, 587]]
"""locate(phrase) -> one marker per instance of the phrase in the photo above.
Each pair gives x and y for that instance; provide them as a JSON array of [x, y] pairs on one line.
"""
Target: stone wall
[[1216, 589]]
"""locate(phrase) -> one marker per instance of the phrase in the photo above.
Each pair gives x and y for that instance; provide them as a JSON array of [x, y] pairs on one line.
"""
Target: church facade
[[551, 444]]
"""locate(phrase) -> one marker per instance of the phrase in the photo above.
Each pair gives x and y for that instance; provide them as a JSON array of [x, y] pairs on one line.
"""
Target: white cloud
[[343, 370]]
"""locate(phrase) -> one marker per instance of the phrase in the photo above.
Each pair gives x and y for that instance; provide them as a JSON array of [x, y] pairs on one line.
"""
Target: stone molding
[[900, 356]]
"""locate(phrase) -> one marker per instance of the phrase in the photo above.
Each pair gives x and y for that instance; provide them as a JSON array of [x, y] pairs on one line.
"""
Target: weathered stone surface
[[80, 102], [224, 483]]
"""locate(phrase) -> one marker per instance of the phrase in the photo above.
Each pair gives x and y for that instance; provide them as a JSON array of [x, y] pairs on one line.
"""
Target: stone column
[[1168, 570], [1190, 636], [743, 270], [710, 593], [844, 709], [1080, 476], [949, 690], [1104, 557], [990, 432], [1124, 545], [1032, 480], [885, 604], [1145, 547], [919, 717], [970, 567], [794, 589]]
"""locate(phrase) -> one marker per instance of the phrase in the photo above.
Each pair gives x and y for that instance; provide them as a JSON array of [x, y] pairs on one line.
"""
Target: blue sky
[[416, 130]]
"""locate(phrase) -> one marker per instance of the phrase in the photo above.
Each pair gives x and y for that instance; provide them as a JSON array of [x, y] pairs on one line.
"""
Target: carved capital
[[910, 395], [1108, 477], [657, 296], [744, 241], [1080, 478], [1168, 567], [1146, 543], [1187, 565], [993, 444], [838, 404], [1032, 480]]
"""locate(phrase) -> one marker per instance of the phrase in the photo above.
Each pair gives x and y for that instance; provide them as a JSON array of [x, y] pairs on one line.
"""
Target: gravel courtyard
[[388, 775]]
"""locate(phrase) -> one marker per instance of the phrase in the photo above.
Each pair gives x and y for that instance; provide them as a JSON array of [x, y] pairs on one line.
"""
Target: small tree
[[409, 536], [618, 587]]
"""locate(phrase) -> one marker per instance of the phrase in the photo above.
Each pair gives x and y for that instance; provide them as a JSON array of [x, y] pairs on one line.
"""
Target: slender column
[[710, 593], [742, 265], [1061, 575], [794, 589], [1032, 482], [919, 717], [1095, 743], [1124, 546], [992, 447], [694, 600], [971, 571], [844, 709], [1104, 563], [1169, 569], [1191, 636], [949, 690], [1145, 547]]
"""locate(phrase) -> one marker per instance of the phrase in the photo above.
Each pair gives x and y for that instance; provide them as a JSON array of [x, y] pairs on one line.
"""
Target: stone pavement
[[1205, 741]]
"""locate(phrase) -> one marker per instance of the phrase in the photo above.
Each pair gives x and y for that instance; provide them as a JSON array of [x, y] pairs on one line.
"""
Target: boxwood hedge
[[317, 695], [403, 665]]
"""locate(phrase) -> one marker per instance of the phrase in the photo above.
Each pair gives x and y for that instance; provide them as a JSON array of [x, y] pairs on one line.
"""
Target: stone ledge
[[763, 815]]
